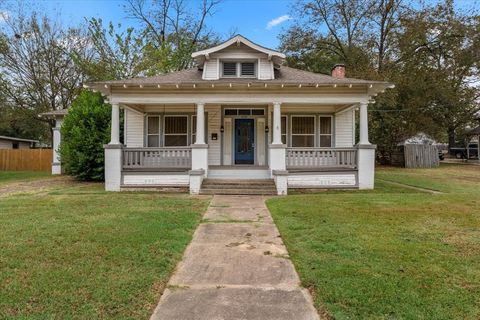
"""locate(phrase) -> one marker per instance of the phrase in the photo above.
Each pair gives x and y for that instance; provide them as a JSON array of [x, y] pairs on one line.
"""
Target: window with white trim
[[175, 131], [325, 131], [234, 69], [303, 131], [194, 129], [284, 129], [153, 131]]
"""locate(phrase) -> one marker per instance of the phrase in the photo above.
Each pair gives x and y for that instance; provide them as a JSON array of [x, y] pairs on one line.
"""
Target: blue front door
[[244, 141]]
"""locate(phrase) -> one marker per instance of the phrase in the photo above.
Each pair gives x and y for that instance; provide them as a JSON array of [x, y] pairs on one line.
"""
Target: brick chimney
[[338, 71]]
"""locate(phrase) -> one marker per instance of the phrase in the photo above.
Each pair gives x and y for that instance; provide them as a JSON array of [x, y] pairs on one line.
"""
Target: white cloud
[[275, 22]]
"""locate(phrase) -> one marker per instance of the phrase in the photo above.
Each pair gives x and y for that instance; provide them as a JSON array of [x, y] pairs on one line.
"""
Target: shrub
[[86, 128]]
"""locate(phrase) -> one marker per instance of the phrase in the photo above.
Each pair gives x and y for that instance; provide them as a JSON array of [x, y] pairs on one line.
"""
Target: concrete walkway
[[236, 267]]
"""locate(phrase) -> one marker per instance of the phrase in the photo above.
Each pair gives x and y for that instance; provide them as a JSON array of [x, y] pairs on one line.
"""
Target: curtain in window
[[303, 132], [176, 131], [325, 132], [153, 131]]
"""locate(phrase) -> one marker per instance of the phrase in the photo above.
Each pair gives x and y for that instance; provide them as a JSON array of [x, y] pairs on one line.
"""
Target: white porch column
[[57, 138], [363, 123], [277, 123], [277, 152], [365, 152], [200, 134], [113, 153], [115, 132], [199, 153]]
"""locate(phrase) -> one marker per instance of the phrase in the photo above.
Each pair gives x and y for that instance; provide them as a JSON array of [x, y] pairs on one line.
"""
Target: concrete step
[[238, 191], [247, 182], [239, 186]]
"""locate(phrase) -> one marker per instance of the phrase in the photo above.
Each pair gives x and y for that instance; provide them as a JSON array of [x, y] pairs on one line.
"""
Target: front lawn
[[391, 253], [79, 252], [20, 176]]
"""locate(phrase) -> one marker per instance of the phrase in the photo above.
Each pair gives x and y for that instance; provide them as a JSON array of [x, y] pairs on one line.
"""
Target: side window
[[194, 129], [284, 129], [325, 132], [153, 131]]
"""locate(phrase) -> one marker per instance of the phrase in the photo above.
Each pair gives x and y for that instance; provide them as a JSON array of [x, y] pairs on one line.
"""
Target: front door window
[[244, 141]]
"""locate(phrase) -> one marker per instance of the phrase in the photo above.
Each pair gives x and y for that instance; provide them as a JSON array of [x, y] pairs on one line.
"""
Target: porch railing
[[155, 158], [321, 157]]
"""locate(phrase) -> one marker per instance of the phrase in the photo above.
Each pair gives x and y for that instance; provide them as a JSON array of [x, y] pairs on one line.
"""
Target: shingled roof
[[284, 75]]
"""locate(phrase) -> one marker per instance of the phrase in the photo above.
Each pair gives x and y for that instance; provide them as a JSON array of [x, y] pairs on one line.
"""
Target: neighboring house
[[240, 114], [16, 143], [58, 116]]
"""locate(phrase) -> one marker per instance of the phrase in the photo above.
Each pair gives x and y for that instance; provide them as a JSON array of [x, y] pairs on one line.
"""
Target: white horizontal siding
[[214, 116], [344, 129], [210, 69], [173, 180], [134, 122], [265, 69], [320, 180]]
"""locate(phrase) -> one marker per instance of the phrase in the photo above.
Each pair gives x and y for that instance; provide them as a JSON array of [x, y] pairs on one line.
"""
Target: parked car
[[462, 152]]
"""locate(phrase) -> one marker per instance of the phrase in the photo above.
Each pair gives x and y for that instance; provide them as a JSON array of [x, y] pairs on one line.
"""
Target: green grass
[[391, 253], [79, 252], [18, 176]]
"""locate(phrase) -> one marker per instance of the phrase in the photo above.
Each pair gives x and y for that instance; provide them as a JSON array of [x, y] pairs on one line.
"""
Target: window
[[303, 131], [229, 69], [284, 129], [325, 132], [231, 112], [248, 69], [153, 131], [238, 69], [176, 131], [194, 129]]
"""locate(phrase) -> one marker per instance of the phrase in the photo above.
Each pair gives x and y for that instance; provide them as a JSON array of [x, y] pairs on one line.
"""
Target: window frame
[[238, 69], [159, 134], [320, 134], [286, 129], [193, 129], [164, 134], [314, 134]]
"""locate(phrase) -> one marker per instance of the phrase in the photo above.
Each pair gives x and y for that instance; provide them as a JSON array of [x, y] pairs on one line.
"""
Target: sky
[[259, 20]]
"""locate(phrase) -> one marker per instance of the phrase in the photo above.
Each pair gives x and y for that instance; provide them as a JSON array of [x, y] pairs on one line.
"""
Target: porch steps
[[239, 187]]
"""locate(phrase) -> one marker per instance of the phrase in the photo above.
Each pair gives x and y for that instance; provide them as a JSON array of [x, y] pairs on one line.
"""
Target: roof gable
[[201, 56]]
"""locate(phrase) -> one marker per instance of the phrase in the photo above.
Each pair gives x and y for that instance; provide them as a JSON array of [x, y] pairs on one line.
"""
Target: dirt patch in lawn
[[36, 186]]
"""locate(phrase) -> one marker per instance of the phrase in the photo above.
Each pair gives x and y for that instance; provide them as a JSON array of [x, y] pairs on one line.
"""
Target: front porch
[[295, 145]]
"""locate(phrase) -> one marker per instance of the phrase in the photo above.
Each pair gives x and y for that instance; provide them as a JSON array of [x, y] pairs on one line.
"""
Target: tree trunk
[[451, 138]]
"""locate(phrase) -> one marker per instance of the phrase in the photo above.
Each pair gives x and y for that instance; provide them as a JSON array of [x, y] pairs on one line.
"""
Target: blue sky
[[248, 17]]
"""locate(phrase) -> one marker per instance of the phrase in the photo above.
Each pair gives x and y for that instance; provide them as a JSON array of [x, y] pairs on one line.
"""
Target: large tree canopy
[[431, 53]]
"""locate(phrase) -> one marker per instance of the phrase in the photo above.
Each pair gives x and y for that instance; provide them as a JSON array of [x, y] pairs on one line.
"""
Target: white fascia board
[[241, 98], [234, 40]]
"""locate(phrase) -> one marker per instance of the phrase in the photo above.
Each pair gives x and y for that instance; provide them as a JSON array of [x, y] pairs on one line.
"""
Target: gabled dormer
[[238, 58]]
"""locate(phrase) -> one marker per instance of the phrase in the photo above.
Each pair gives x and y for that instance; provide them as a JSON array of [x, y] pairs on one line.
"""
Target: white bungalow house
[[240, 115]]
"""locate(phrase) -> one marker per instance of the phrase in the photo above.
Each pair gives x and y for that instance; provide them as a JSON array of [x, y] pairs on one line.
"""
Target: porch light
[[267, 129], [222, 129]]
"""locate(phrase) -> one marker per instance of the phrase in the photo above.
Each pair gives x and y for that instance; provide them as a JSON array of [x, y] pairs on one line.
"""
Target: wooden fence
[[421, 156], [26, 159]]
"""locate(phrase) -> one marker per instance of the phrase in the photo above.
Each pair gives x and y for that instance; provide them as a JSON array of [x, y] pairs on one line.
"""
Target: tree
[[86, 128], [39, 72], [172, 31], [430, 53]]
